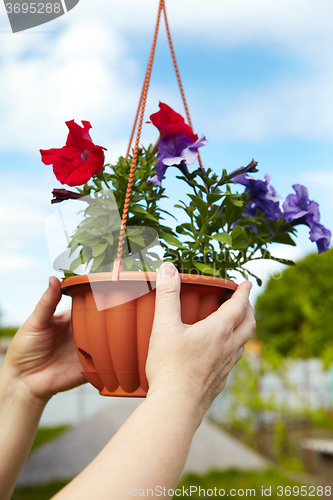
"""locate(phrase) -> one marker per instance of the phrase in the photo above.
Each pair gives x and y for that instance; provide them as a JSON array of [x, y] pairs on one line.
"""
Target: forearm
[[20, 413], [149, 450]]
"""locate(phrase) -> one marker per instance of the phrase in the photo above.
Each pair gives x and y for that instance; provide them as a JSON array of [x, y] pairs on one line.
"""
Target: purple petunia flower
[[298, 209], [176, 150], [321, 236], [261, 196]]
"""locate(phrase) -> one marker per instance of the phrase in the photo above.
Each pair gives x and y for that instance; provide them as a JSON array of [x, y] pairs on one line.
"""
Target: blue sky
[[258, 77]]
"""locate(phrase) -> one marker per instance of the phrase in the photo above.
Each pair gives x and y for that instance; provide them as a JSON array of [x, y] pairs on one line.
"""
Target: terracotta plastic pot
[[112, 322]]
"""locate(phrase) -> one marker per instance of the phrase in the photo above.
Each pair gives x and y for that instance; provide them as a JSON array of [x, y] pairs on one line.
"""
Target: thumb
[[167, 304], [43, 313]]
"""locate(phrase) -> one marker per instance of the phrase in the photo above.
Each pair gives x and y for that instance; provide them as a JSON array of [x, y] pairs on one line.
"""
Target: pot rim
[[200, 279]]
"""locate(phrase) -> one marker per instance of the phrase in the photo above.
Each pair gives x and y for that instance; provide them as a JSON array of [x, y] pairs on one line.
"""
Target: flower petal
[[298, 208], [261, 196], [75, 163], [154, 180], [321, 235], [190, 154], [78, 137], [169, 122], [171, 146]]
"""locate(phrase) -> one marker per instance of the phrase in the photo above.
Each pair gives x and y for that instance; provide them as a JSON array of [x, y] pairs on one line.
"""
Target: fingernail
[[167, 270], [51, 282]]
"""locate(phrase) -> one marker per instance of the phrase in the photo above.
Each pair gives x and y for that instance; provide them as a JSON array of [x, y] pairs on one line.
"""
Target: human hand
[[42, 353], [196, 360]]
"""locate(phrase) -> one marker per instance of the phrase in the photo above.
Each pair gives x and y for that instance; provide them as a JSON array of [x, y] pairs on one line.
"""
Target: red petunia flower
[[169, 122], [75, 163]]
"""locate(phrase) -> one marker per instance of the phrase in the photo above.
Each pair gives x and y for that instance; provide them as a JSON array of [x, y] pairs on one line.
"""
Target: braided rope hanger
[[138, 121]]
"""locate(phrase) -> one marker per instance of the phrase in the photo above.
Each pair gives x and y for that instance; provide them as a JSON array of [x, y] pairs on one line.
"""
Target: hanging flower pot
[[220, 231], [112, 322]]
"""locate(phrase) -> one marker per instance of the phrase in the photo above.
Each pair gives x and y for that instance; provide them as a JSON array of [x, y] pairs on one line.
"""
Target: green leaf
[[206, 269], [129, 261], [287, 262], [171, 240], [213, 197], [200, 204], [239, 238], [238, 231], [135, 237], [223, 238], [180, 206], [99, 249], [137, 209], [237, 203], [284, 238], [68, 274], [97, 262], [109, 238], [76, 263], [232, 212], [86, 254]]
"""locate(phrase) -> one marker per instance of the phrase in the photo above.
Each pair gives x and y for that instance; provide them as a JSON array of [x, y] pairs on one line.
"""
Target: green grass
[[243, 482], [46, 434], [8, 331], [272, 481], [42, 492]]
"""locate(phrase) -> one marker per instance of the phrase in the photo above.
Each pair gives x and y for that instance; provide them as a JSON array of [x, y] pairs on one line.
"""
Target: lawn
[[235, 484], [240, 484], [46, 434]]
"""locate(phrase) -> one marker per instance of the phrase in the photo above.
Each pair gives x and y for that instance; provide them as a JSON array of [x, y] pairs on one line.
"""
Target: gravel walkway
[[65, 457]]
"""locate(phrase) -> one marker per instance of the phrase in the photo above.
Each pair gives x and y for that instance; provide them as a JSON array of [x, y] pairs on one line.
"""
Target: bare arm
[[40, 362], [187, 368]]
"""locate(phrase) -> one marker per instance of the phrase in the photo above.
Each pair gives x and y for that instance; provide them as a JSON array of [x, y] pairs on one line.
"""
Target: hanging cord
[[174, 60], [137, 113], [141, 107], [117, 267], [175, 64]]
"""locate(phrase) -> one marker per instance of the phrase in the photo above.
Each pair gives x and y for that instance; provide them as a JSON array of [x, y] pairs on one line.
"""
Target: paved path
[[65, 457]]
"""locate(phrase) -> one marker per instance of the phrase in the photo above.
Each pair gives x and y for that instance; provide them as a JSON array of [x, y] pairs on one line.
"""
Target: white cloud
[[302, 108], [296, 23], [85, 69], [10, 263], [75, 77]]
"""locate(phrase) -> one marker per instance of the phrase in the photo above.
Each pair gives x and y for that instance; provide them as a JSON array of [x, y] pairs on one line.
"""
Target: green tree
[[295, 313]]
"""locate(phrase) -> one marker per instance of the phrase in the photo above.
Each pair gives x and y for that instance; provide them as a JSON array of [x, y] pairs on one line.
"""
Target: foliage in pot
[[221, 231]]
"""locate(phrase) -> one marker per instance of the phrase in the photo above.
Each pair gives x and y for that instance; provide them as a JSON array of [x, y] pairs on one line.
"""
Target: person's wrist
[[14, 387], [182, 394]]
